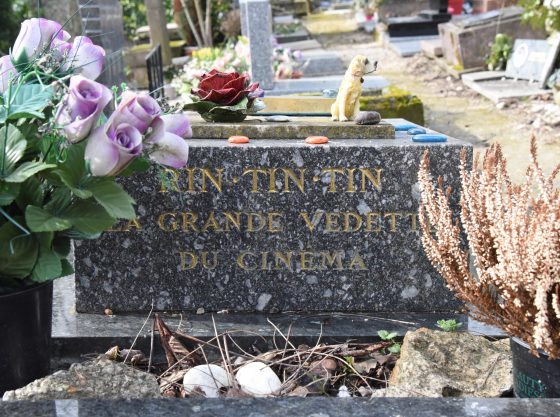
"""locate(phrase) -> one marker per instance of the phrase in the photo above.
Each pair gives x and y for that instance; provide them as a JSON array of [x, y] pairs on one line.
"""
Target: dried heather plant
[[513, 233]]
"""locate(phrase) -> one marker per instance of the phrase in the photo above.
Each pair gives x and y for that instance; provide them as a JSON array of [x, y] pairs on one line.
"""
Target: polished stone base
[[292, 407], [78, 334]]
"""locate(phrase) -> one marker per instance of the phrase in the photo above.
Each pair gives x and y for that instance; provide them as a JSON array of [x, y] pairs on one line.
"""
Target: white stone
[[256, 378], [208, 378]]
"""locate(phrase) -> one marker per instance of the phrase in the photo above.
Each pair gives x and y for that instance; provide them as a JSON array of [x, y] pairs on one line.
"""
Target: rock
[[368, 118], [100, 378], [450, 364], [206, 378], [256, 378]]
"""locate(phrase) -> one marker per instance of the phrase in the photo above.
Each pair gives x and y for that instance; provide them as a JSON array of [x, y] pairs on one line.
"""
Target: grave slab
[[275, 225], [304, 45], [255, 128], [495, 86], [293, 407], [372, 83]]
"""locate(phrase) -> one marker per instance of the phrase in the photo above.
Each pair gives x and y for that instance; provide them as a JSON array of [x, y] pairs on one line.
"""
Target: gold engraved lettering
[[255, 226], [165, 224], [350, 188], [272, 180], [413, 218], [264, 261], [332, 172], [206, 264], [306, 260], [211, 223], [169, 180], [216, 180], [312, 223], [189, 221], [285, 258], [358, 262], [241, 262], [393, 216], [332, 222], [234, 219], [348, 228], [329, 260], [191, 258], [274, 219], [134, 223], [289, 174], [372, 218], [375, 180], [255, 177]]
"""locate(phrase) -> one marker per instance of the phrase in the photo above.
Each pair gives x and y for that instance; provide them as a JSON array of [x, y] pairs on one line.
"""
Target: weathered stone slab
[[273, 225], [256, 128]]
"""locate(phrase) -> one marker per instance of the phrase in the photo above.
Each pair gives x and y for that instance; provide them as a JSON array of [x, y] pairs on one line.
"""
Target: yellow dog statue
[[347, 104]]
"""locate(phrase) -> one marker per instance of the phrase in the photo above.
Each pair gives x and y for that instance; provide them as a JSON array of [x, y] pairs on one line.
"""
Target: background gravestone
[[102, 21], [256, 25], [63, 12]]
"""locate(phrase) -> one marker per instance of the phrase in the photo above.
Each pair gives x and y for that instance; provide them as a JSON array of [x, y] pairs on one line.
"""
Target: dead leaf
[[299, 392]]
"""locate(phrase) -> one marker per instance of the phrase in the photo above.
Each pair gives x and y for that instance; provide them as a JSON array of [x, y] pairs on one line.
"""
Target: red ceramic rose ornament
[[224, 88]]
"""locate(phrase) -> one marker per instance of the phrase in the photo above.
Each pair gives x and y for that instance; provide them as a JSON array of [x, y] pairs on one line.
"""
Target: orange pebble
[[316, 140], [238, 139]]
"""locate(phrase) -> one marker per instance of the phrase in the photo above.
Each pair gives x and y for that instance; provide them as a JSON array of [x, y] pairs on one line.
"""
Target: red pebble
[[238, 139], [317, 140]]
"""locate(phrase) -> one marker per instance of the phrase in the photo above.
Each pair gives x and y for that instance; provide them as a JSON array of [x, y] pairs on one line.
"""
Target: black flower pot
[[534, 377], [25, 336]]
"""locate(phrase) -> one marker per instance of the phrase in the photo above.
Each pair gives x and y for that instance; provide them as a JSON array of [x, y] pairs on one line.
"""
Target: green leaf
[[395, 348], [73, 171], [61, 246], [88, 216], [14, 145], [199, 106], [29, 102], [383, 334], [48, 266], [77, 235], [113, 198], [67, 268], [392, 335], [45, 239], [39, 220], [59, 200], [8, 192], [26, 170], [31, 193], [18, 252], [137, 166]]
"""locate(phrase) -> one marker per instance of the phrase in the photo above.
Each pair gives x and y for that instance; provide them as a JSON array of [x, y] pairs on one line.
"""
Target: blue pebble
[[403, 127], [416, 131], [431, 137]]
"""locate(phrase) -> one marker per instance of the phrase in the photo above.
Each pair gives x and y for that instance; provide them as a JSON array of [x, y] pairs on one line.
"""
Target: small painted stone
[[403, 127], [238, 139], [429, 138], [330, 93], [277, 118], [368, 118], [317, 140], [416, 131]]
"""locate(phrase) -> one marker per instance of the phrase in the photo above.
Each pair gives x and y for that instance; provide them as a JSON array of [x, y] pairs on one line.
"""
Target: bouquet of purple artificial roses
[[60, 154]]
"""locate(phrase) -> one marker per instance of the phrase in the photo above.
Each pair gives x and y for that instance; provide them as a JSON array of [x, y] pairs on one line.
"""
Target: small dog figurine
[[347, 104]]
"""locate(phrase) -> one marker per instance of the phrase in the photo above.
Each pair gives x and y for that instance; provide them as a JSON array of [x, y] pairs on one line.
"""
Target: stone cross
[[256, 24], [157, 21]]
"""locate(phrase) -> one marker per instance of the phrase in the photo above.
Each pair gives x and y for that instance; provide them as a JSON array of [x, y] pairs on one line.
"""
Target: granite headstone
[[273, 225], [256, 25]]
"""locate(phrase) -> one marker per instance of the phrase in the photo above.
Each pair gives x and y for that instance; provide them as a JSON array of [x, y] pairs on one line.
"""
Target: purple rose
[[166, 144], [110, 149], [34, 36], [138, 110], [85, 58], [81, 108], [60, 45], [7, 72]]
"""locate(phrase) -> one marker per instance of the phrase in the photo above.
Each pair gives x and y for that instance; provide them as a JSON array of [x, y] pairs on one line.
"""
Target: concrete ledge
[[293, 407]]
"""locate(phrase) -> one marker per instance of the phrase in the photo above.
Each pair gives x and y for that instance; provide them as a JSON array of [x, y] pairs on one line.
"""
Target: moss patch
[[395, 103]]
